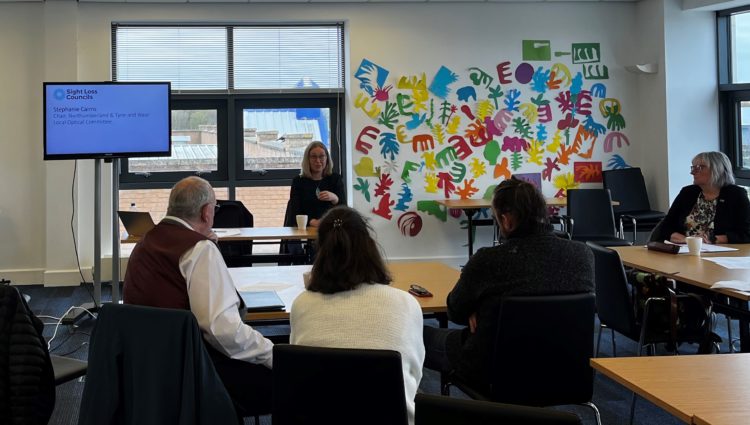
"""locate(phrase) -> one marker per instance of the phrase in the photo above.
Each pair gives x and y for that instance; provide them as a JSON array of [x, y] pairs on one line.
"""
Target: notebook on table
[[137, 223], [258, 301]]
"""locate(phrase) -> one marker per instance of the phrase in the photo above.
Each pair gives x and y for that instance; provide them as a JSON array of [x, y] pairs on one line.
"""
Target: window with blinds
[[246, 100], [230, 57]]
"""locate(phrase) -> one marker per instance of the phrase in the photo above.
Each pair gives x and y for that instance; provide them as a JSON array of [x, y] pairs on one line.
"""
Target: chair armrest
[[568, 223], [632, 221]]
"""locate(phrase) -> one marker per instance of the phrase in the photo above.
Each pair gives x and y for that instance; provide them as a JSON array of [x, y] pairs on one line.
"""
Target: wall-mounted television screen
[[106, 120]]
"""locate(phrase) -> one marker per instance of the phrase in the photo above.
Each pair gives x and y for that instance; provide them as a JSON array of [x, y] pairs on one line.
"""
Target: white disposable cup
[[306, 279], [694, 244], [301, 221]]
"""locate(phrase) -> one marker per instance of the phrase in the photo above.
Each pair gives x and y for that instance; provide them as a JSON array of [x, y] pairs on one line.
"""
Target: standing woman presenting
[[713, 207], [317, 189]]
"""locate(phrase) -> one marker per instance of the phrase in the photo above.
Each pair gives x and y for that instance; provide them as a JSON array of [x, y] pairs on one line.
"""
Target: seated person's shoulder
[[734, 190]]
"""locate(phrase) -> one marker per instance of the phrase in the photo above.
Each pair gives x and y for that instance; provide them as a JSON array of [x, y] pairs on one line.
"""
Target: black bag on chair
[[682, 318]]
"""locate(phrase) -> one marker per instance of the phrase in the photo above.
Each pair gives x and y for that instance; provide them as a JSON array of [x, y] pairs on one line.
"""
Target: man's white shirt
[[215, 303]]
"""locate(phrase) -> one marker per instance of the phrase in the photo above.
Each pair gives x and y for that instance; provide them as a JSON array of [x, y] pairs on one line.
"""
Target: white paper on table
[[737, 285], [266, 286], [226, 232], [704, 248], [731, 262]]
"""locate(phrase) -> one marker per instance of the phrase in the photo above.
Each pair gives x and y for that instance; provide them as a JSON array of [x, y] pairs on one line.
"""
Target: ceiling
[[313, 1]]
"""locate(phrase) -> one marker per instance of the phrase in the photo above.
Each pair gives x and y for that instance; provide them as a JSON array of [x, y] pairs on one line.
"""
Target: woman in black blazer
[[713, 207], [317, 189]]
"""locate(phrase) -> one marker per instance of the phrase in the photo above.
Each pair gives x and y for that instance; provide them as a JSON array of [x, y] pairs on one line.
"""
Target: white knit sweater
[[370, 316]]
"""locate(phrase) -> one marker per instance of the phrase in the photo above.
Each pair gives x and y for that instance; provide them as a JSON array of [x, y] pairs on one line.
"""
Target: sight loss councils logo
[[59, 94]]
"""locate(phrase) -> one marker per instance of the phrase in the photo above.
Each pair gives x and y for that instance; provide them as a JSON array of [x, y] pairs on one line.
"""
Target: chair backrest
[[150, 366], [614, 303], [542, 350], [441, 410], [67, 368], [656, 232], [591, 210], [314, 385], [233, 214], [627, 187]]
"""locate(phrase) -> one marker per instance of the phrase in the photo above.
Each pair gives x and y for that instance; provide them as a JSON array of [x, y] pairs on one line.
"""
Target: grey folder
[[262, 301]]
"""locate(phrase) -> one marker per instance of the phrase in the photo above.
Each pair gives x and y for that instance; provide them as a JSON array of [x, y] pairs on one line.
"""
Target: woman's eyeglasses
[[697, 168], [318, 157]]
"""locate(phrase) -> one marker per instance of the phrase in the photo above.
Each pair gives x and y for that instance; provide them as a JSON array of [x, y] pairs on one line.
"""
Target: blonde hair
[[305, 166]]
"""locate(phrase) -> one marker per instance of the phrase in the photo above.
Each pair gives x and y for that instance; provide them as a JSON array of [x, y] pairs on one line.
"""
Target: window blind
[[230, 57]]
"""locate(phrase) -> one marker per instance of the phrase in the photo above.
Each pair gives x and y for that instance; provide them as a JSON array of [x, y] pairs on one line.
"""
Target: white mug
[[301, 222], [694, 244]]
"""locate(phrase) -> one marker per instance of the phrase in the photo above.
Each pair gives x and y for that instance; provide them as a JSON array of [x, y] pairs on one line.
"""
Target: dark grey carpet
[[611, 398]]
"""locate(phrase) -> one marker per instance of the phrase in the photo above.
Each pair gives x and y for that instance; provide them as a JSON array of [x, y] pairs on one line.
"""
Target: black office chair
[[545, 362], [234, 214], [634, 212], [590, 218], [67, 368], [337, 386], [150, 366], [441, 410], [616, 310], [615, 301]]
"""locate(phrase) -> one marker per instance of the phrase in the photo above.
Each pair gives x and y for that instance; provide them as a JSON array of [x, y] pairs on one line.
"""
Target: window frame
[[156, 180], [730, 96], [333, 102], [229, 105]]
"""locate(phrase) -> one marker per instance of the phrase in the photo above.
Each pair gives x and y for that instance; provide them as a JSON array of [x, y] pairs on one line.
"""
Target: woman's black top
[[303, 197], [732, 216]]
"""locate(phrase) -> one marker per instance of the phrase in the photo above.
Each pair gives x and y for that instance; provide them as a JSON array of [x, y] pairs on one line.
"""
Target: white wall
[[692, 89], [22, 173], [35, 205]]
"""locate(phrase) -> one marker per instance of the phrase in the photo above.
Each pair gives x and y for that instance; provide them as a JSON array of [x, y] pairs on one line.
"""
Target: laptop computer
[[136, 223]]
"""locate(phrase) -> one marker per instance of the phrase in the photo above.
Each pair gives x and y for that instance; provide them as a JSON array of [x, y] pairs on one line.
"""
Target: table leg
[[470, 218]]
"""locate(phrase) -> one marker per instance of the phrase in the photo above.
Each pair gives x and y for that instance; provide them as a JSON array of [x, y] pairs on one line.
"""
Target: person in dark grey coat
[[27, 381], [531, 261]]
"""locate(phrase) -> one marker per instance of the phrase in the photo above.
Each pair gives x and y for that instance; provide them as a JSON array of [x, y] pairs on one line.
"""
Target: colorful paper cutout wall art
[[536, 50], [553, 122], [410, 224], [588, 172]]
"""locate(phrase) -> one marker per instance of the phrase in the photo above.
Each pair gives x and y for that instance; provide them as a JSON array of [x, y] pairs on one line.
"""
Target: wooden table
[[704, 389], [267, 233], [688, 268], [701, 274], [472, 206], [262, 235], [256, 234], [438, 278]]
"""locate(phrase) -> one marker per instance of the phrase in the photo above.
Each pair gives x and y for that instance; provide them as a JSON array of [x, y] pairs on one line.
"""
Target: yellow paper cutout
[[366, 168]]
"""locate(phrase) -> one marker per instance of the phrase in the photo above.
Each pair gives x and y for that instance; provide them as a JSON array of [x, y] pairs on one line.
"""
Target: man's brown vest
[[153, 275]]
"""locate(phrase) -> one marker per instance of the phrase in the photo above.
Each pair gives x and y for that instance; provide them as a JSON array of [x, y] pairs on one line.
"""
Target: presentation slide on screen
[[106, 118]]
